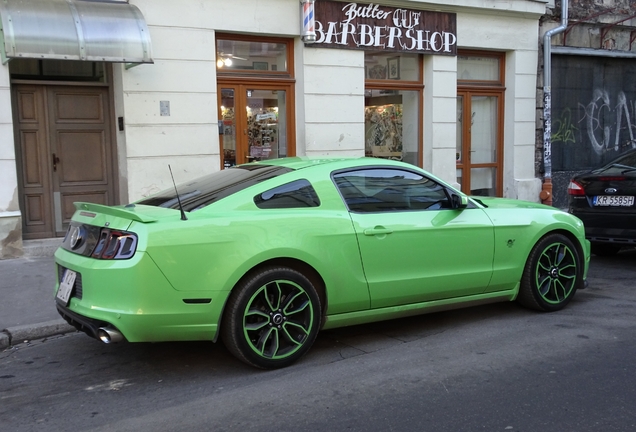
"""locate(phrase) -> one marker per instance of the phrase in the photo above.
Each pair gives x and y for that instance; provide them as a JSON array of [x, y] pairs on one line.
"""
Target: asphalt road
[[491, 368]]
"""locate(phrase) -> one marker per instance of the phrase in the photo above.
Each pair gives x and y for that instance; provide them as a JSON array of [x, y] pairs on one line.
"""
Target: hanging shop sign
[[382, 28]]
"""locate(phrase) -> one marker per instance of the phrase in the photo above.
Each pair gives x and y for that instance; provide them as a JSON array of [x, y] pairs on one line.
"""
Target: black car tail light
[[574, 188], [114, 244]]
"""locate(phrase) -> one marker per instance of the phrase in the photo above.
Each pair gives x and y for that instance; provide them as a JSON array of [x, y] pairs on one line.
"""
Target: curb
[[24, 333]]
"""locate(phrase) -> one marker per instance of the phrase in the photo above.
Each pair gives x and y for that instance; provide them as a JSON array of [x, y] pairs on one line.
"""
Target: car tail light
[[574, 188], [114, 244]]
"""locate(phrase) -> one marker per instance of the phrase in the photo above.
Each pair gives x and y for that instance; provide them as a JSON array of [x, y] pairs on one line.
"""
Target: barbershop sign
[[382, 28]]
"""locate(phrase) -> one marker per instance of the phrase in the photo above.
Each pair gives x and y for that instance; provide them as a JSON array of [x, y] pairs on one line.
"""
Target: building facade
[[201, 85], [593, 112]]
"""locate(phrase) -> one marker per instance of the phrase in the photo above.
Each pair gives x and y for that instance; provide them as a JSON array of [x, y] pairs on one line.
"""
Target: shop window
[[392, 66], [297, 194], [478, 68], [255, 86], [392, 106], [380, 190], [57, 70], [251, 56], [480, 99]]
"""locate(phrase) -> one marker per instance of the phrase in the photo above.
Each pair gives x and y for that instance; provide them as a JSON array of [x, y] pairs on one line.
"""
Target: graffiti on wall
[[595, 130], [606, 137], [609, 126], [593, 111]]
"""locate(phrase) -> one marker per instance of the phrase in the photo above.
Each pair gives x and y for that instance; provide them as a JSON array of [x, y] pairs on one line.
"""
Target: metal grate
[[77, 288]]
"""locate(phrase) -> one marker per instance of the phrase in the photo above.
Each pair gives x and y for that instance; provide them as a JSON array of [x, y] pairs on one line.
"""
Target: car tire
[[605, 249], [552, 274], [271, 318]]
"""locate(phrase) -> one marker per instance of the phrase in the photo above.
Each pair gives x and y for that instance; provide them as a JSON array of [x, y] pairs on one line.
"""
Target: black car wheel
[[605, 249], [552, 274], [272, 318]]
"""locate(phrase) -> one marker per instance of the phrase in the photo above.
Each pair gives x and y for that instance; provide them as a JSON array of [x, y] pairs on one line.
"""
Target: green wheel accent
[[278, 319], [556, 273], [553, 273], [272, 317]]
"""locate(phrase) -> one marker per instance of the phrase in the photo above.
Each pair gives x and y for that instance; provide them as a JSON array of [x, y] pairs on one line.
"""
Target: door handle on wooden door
[[56, 160]]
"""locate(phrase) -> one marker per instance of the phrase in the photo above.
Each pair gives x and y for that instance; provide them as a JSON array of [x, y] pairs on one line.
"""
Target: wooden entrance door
[[480, 142], [64, 153], [256, 122]]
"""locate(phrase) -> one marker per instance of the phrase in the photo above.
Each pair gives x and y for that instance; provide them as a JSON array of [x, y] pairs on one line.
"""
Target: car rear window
[[297, 194], [205, 190], [624, 164]]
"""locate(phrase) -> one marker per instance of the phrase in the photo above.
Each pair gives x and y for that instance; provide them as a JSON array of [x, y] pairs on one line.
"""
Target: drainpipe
[[546, 191]]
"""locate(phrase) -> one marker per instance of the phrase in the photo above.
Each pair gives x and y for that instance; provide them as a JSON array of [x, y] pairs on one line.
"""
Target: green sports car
[[266, 254]]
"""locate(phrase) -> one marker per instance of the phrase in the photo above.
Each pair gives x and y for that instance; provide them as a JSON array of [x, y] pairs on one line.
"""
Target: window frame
[[256, 74], [442, 186], [416, 86], [495, 88]]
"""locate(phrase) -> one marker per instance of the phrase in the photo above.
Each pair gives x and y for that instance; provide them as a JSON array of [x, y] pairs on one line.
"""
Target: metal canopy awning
[[89, 30]]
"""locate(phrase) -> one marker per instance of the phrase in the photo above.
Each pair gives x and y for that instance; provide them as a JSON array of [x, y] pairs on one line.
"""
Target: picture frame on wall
[[393, 68], [260, 65]]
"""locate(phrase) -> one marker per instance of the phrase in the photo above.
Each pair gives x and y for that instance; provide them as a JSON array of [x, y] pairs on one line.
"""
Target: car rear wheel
[[605, 249], [272, 318], [552, 274]]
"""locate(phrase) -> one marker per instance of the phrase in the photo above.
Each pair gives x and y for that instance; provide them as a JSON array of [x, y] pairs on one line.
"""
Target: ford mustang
[[264, 255]]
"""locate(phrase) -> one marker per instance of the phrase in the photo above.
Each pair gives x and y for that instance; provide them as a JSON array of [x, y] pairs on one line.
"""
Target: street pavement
[[27, 305]]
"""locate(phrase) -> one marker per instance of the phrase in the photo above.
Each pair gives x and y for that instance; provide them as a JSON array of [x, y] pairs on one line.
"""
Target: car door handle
[[377, 231]]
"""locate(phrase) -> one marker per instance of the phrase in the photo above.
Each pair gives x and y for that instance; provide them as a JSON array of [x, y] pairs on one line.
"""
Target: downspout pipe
[[546, 191]]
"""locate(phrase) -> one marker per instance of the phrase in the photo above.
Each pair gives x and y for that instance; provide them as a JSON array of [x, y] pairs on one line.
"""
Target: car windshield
[[203, 191], [622, 165]]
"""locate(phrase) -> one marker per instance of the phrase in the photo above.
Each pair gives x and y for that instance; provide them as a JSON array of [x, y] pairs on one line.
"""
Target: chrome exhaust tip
[[109, 335]]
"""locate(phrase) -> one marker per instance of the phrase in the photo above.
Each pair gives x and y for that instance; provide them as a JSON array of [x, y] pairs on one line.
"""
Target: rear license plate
[[614, 200], [66, 286]]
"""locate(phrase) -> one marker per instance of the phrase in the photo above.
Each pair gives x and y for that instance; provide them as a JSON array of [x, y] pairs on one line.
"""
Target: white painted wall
[[184, 74], [333, 101], [440, 112], [10, 220]]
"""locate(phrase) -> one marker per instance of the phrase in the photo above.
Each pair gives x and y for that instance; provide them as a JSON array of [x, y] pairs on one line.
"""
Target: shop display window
[[392, 66], [251, 56], [393, 106]]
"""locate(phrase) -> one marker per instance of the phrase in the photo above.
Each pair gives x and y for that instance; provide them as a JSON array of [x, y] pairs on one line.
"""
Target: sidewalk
[[27, 299]]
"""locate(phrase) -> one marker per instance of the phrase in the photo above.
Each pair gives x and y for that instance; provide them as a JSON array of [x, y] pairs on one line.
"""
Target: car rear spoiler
[[114, 211]]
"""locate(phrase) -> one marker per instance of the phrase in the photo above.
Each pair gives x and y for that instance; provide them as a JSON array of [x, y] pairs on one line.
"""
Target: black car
[[604, 200]]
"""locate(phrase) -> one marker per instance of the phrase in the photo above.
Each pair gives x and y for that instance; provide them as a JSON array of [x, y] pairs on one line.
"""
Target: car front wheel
[[272, 318], [552, 274]]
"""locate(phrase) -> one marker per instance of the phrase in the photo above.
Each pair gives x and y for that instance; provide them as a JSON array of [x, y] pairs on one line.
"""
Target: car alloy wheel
[[556, 273], [272, 318], [551, 275], [278, 319]]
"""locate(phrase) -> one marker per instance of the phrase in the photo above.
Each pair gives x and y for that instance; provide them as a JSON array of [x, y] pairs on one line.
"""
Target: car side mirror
[[459, 201]]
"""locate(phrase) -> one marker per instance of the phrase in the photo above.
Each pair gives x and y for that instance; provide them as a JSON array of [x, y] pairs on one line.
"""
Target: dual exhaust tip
[[109, 335]]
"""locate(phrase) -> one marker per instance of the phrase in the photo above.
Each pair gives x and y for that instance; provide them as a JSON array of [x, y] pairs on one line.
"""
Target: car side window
[[297, 194], [386, 189]]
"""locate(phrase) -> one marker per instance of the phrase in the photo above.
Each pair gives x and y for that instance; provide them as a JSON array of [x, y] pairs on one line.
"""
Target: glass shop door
[[254, 122]]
